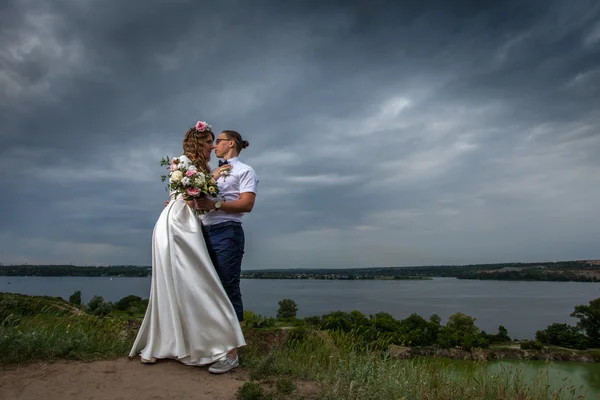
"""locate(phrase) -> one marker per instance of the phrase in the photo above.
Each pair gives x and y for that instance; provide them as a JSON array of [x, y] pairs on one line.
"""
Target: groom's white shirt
[[241, 179]]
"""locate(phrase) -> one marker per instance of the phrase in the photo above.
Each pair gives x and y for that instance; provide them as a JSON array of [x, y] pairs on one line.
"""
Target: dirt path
[[117, 379]]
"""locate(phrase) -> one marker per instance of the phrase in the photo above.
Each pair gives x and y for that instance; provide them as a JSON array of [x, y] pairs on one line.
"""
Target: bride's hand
[[204, 204]]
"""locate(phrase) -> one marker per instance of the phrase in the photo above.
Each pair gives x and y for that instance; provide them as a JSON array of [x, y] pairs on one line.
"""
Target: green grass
[[76, 337], [282, 388], [36, 328], [347, 369]]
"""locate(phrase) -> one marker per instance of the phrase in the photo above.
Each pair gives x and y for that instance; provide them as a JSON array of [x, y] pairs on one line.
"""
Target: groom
[[222, 226]]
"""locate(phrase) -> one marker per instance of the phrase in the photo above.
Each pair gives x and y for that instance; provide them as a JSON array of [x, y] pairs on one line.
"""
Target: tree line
[[459, 331], [547, 271], [73, 270]]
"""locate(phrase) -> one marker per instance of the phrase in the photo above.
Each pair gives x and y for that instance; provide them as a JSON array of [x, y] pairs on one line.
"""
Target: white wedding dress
[[189, 316]]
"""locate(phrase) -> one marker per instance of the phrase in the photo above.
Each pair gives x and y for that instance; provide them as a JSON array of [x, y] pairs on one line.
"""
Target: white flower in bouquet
[[176, 176]]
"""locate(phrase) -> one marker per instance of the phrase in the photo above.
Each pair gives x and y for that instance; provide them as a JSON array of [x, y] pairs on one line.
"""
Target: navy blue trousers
[[225, 243]]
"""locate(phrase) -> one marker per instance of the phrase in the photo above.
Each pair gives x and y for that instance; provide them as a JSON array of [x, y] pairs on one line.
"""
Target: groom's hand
[[217, 172], [204, 204]]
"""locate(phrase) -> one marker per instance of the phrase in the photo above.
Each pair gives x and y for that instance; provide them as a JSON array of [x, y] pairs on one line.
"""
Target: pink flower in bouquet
[[190, 172], [173, 167], [193, 191], [201, 126]]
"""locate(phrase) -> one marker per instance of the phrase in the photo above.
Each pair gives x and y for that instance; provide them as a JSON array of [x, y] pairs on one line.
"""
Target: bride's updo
[[194, 143], [237, 138]]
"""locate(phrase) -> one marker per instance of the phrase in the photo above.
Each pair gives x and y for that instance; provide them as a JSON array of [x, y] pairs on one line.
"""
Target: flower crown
[[202, 126]]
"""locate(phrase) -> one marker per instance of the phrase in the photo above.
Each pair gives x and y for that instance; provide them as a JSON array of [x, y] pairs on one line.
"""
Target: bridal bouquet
[[187, 181]]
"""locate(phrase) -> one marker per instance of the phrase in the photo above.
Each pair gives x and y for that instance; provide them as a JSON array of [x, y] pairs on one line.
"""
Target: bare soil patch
[[117, 379]]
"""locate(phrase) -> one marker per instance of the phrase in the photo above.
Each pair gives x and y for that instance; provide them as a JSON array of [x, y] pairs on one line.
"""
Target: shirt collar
[[233, 160]]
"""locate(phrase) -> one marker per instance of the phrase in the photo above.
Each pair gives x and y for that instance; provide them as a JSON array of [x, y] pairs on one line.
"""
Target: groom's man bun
[[240, 143]]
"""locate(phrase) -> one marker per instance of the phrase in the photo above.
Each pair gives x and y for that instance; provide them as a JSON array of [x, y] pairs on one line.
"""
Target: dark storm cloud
[[383, 133]]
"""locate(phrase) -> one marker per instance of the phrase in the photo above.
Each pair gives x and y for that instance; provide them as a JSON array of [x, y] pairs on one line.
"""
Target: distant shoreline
[[560, 271]]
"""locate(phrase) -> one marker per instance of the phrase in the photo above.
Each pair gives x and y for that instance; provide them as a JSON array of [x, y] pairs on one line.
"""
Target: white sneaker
[[225, 364]]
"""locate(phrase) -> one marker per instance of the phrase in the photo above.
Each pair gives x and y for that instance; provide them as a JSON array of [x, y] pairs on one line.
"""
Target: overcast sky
[[384, 133]]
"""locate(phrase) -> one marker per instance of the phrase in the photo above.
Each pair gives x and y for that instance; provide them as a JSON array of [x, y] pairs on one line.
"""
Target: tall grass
[[39, 328], [346, 368], [76, 337]]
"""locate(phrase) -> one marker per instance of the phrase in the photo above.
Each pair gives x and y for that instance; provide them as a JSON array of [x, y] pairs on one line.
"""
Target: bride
[[189, 316]]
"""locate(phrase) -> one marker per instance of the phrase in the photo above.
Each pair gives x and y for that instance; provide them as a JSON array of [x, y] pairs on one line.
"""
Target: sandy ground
[[117, 379]]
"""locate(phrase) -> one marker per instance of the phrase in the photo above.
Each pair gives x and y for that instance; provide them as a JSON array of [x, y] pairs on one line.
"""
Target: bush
[[589, 320], [461, 331], [103, 309], [500, 337], [531, 345], [563, 335], [287, 309], [337, 321], [314, 321], [253, 320], [127, 302], [97, 306], [75, 298], [416, 331], [298, 323]]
